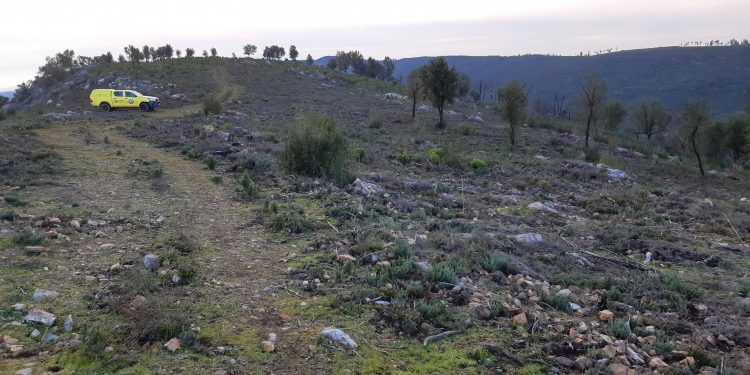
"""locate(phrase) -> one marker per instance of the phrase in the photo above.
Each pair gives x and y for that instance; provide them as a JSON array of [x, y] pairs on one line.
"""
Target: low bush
[[499, 262], [477, 164], [287, 217], [211, 105], [27, 238], [316, 148], [247, 188], [403, 158], [592, 155]]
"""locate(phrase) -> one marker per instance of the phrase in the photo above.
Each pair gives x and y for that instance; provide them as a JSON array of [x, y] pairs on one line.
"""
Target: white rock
[[529, 238]]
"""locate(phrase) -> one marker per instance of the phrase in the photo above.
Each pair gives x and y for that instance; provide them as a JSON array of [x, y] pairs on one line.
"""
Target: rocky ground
[[173, 242]]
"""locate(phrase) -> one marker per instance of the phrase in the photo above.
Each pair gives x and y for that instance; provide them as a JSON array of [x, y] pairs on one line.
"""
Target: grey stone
[[338, 336], [68, 325], [151, 262], [50, 337], [41, 316], [35, 333], [529, 238], [41, 294]]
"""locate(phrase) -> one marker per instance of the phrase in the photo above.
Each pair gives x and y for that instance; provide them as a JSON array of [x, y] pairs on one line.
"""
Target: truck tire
[[144, 107], [105, 107]]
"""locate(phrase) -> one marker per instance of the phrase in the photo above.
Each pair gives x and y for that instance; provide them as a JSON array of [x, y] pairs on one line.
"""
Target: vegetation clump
[[316, 148]]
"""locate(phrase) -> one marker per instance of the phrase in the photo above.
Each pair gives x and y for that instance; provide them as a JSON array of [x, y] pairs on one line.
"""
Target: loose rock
[[41, 316], [339, 337]]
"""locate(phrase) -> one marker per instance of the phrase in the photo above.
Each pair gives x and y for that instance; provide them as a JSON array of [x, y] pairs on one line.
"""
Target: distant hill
[[719, 75], [7, 94]]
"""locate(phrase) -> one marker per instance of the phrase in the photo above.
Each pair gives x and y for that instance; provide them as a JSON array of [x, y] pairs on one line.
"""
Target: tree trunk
[[697, 154], [441, 123], [512, 134], [588, 128], [414, 105]]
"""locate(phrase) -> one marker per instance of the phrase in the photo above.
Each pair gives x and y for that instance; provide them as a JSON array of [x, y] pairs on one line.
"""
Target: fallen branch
[[334, 228], [440, 336], [496, 350], [732, 226]]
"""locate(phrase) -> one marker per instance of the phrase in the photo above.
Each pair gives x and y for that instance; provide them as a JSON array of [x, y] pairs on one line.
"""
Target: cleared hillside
[[453, 254]]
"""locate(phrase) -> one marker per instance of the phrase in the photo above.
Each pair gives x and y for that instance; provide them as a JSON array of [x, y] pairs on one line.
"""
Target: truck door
[[118, 99], [130, 99]]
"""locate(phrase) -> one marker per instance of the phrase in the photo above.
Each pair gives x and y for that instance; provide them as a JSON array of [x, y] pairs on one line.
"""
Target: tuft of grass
[[557, 301], [442, 273], [499, 262], [744, 289], [211, 105], [14, 201]]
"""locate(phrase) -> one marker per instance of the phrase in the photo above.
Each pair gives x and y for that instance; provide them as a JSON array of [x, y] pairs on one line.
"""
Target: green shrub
[[287, 217], [403, 158], [216, 180], [442, 273], [676, 285], [557, 301], [247, 188], [477, 164], [592, 155], [744, 289], [7, 215], [499, 262], [402, 250], [360, 154], [435, 155], [14, 202], [27, 238], [210, 162], [317, 149], [255, 163], [211, 105]]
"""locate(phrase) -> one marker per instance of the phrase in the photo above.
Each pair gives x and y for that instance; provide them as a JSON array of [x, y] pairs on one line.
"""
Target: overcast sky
[[34, 29]]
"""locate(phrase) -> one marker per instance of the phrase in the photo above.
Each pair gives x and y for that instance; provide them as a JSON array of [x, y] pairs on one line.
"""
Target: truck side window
[[129, 94], [118, 93]]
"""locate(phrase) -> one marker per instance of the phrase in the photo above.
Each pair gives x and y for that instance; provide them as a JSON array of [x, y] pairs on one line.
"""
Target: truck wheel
[[105, 107], [144, 107]]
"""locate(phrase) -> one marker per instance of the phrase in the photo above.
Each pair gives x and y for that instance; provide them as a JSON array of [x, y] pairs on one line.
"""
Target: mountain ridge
[[675, 75]]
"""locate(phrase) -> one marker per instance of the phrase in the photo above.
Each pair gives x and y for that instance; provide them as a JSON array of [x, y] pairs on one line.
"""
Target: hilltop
[[180, 241], [676, 75]]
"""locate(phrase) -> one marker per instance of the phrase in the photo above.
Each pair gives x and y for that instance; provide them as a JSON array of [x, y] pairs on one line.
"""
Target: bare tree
[[592, 96], [416, 89], [696, 115]]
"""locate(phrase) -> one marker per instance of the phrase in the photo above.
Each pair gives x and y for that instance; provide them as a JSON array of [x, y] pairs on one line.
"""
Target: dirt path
[[237, 260]]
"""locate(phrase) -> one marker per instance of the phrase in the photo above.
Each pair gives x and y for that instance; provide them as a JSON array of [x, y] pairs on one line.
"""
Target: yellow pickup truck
[[109, 99]]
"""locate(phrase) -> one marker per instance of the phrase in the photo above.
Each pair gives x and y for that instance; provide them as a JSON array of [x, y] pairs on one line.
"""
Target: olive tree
[[249, 49], [441, 82], [651, 117], [512, 101], [293, 53]]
